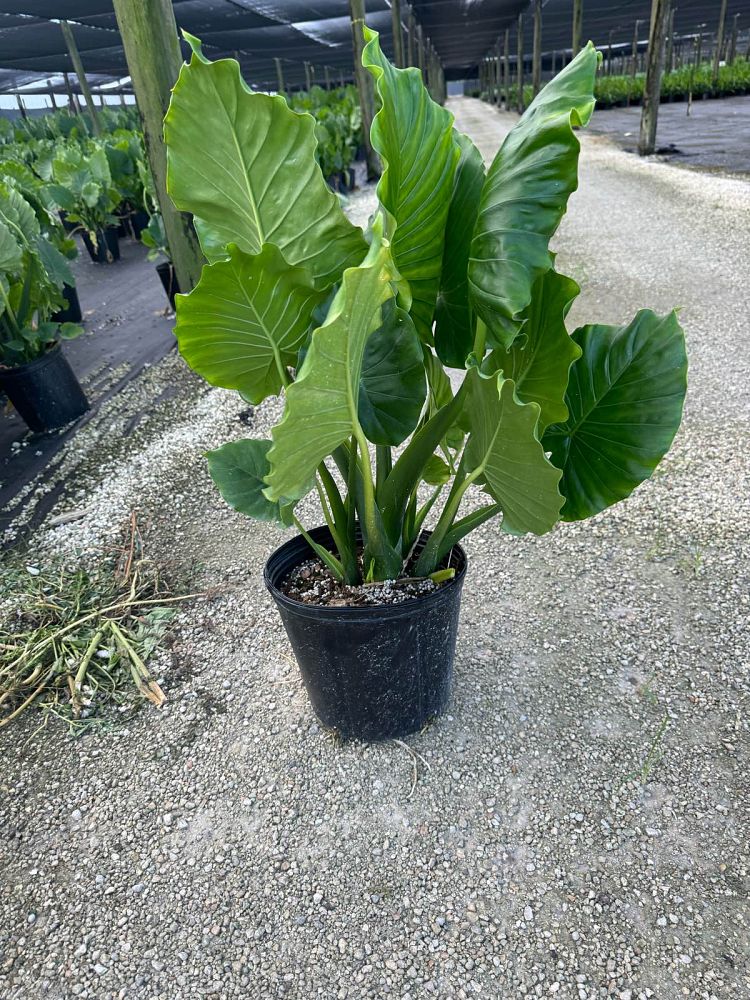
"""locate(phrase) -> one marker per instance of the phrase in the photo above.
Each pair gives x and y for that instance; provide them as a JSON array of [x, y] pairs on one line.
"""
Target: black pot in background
[[372, 673], [107, 247], [72, 311], [138, 221], [69, 227], [45, 391], [168, 278]]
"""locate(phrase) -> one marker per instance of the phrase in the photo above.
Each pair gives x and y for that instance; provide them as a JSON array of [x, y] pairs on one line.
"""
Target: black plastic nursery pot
[[107, 247], [72, 311], [138, 222], [377, 672], [45, 391], [168, 278]]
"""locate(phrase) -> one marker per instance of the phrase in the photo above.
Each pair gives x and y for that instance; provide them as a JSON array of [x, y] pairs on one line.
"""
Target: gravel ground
[[576, 827]]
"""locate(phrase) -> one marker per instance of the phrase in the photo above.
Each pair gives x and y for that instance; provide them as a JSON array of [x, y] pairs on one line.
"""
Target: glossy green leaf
[[239, 469], [414, 139], [625, 401], [525, 197], [244, 164], [505, 450], [454, 327], [10, 250], [539, 361], [244, 322], [436, 471], [322, 404], [392, 386], [54, 264]]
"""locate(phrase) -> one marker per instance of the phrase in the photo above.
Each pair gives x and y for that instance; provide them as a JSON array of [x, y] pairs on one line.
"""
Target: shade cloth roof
[[314, 31], [256, 31]]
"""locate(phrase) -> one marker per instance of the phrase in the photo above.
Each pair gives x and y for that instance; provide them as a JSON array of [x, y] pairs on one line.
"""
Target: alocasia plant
[[357, 329]]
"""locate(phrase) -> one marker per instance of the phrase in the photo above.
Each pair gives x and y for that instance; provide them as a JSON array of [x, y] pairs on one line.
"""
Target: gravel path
[[576, 827]]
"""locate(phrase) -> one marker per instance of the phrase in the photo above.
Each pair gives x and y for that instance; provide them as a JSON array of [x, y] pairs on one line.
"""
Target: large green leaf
[[525, 197], [625, 401], [414, 138], [504, 448], [392, 387], [18, 215], [55, 265], [10, 250], [244, 322], [239, 469], [454, 328], [322, 404], [540, 360], [244, 164]]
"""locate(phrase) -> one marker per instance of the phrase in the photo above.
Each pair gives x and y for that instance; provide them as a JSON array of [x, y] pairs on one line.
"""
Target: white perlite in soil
[[576, 826]]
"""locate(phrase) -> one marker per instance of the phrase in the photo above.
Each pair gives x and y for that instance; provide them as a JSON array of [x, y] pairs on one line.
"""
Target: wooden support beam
[[364, 85], [732, 51], [669, 53], [506, 69], [52, 99], [536, 66], [152, 49], [633, 57], [75, 58], [520, 67], [411, 40], [398, 38], [652, 85], [21, 106], [719, 41], [279, 75], [420, 50], [327, 74], [577, 22]]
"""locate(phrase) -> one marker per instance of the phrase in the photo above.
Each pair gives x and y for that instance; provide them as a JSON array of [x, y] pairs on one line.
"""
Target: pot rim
[[353, 612], [29, 366]]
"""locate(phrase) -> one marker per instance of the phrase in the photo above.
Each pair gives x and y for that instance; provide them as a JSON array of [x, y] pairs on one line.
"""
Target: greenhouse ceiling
[[32, 49]]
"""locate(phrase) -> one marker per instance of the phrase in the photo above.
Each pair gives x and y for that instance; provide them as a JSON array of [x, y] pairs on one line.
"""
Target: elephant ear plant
[[357, 329]]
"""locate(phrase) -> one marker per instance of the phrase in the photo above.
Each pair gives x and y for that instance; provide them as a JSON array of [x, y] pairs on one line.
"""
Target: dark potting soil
[[312, 583]]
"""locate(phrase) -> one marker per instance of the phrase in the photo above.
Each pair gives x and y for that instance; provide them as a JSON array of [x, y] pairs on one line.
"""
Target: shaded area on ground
[[715, 135], [126, 328]]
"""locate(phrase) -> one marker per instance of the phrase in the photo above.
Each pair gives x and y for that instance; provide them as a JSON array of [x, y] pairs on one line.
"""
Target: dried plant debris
[[75, 642]]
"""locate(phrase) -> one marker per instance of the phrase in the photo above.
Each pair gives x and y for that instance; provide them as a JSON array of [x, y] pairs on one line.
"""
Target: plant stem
[[428, 559], [383, 465]]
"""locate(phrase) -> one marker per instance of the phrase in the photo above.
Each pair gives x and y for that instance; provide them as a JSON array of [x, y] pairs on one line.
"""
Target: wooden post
[[609, 53], [327, 74], [279, 75], [669, 56], [420, 50], [411, 39], [52, 98], [21, 106], [506, 69], [554, 61], [577, 20], [732, 52], [364, 85], [398, 38], [536, 69], [634, 59], [500, 79], [152, 49], [75, 58], [520, 67], [652, 84], [719, 41]]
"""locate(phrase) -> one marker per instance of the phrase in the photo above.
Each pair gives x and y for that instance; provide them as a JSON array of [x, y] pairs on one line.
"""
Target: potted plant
[[33, 371], [83, 189], [155, 238], [357, 331]]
